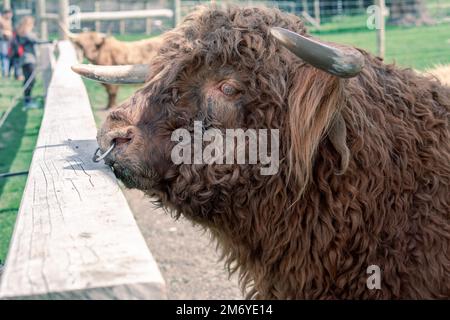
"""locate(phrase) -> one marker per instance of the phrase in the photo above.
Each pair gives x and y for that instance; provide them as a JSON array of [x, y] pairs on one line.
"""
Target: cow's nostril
[[120, 140]]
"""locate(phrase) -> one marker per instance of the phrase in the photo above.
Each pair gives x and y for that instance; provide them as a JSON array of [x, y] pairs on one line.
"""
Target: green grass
[[17, 140], [416, 47], [338, 24], [98, 96], [9, 90]]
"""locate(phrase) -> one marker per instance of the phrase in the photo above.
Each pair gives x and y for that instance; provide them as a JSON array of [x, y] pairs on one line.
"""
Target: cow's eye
[[228, 90]]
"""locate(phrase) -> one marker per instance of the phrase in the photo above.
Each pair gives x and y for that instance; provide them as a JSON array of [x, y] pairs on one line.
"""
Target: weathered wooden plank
[[126, 14], [75, 236]]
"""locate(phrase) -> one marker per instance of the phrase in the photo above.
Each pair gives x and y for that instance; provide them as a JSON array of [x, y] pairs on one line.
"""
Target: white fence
[[75, 236]]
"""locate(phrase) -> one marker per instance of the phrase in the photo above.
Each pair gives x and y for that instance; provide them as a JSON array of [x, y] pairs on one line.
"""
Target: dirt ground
[[185, 254]]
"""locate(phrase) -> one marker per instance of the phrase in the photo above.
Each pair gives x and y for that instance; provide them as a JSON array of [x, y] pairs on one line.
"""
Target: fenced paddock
[[107, 16], [75, 236], [347, 21]]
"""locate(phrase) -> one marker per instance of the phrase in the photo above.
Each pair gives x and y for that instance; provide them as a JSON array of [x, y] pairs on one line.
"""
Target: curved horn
[[126, 74], [66, 31], [344, 63]]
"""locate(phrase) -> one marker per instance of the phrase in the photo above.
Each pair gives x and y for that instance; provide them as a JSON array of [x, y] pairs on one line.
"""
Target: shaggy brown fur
[[311, 230], [101, 49]]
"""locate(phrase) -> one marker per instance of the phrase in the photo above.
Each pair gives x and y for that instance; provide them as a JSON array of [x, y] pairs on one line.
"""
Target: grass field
[[419, 47], [17, 140], [98, 97]]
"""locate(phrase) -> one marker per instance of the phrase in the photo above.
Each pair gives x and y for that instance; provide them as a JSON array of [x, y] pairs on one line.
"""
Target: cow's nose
[[113, 143], [121, 140], [120, 137]]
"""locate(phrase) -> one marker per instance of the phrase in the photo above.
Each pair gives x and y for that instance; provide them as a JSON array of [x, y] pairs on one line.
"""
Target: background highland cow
[[101, 49]]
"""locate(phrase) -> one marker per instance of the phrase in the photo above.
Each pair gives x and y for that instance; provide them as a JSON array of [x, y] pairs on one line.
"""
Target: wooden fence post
[[63, 14], [122, 23], [177, 13], [41, 19], [97, 22], [148, 21], [361, 4], [6, 4], [317, 11], [381, 30], [305, 6]]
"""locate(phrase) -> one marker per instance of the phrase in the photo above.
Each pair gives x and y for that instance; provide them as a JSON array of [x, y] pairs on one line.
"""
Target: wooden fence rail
[[75, 236], [123, 14], [63, 17]]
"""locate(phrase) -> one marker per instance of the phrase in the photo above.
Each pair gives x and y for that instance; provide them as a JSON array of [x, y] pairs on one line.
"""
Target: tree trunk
[[409, 13]]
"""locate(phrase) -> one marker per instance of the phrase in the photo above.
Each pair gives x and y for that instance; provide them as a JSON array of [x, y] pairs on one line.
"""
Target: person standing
[[15, 55], [27, 40], [6, 33]]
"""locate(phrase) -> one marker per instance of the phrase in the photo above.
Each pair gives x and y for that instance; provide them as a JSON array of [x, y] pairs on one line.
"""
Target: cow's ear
[[315, 99], [100, 39], [337, 135]]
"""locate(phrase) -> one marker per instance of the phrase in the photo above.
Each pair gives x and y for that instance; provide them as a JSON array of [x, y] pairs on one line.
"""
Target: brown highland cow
[[364, 176], [101, 49]]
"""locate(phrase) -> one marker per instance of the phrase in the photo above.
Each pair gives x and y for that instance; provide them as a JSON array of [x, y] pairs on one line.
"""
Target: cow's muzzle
[[97, 158]]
